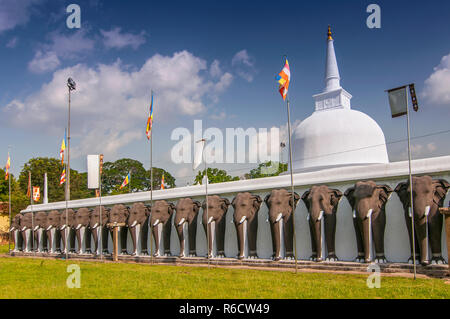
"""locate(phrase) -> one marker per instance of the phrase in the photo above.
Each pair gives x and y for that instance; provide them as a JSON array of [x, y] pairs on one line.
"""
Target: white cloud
[[117, 39], [244, 65], [14, 13], [60, 46], [12, 43], [437, 86], [110, 105], [214, 69]]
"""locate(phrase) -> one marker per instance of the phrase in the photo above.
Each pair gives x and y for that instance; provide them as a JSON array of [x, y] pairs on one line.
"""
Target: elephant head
[[281, 206], [82, 219], [187, 213], [139, 214], [160, 221], [26, 223], [53, 221], [15, 222], [322, 202], [368, 201], [428, 196], [40, 221], [96, 226], [68, 227], [214, 214], [119, 214], [246, 207]]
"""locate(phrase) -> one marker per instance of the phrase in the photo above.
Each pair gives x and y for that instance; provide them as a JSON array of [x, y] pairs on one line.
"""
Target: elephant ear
[[257, 202], [296, 199], [204, 204], [127, 211], [197, 206], [171, 208], [402, 191], [385, 193], [349, 194], [336, 196], [305, 198], [441, 187], [225, 204], [266, 200], [233, 202]]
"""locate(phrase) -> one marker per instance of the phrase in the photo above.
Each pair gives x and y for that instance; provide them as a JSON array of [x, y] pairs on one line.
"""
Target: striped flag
[[36, 193], [283, 79], [62, 179], [8, 165], [126, 181], [63, 148], [148, 131], [162, 182]]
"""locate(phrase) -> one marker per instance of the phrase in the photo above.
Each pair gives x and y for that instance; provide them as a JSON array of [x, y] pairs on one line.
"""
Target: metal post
[[151, 193], [100, 244], [32, 213], [9, 200], [292, 184], [129, 182], [208, 235], [66, 233], [410, 184]]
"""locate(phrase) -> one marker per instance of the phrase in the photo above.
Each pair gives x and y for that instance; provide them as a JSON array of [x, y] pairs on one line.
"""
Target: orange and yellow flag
[[8, 165]]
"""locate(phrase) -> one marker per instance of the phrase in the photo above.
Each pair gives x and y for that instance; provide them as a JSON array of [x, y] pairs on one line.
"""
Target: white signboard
[[93, 166]]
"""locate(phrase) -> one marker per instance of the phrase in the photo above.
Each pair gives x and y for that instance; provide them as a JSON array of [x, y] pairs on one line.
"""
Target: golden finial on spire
[[329, 33]]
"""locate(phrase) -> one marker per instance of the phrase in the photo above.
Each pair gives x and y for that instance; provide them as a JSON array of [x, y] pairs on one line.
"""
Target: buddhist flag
[[148, 131], [8, 165], [283, 79], [29, 185], [63, 148], [36, 194], [162, 182], [62, 179], [398, 100], [126, 181]]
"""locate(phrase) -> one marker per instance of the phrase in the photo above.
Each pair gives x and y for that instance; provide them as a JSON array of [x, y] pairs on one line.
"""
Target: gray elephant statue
[[429, 195], [67, 230], [139, 214], [280, 205], [119, 214], [99, 227], [40, 235], [26, 227], [322, 203], [53, 237], [368, 201], [185, 221], [245, 217], [160, 221], [15, 232], [82, 219], [213, 220]]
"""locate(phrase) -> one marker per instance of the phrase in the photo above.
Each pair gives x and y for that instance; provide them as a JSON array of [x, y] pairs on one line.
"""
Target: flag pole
[[208, 235], [9, 199], [410, 183], [129, 181], [32, 213], [151, 185], [292, 183], [100, 239]]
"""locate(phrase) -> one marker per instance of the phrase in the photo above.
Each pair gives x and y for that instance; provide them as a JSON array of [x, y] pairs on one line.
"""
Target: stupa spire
[[332, 78]]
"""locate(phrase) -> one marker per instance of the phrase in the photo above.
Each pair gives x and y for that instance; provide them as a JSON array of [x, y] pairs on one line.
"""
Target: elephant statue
[[322, 203], [139, 214], [280, 205], [160, 221], [186, 221], [214, 223], [26, 225], [245, 217], [368, 201], [119, 214], [67, 230], [40, 235], [429, 195], [96, 227], [53, 223], [82, 219], [15, 232]]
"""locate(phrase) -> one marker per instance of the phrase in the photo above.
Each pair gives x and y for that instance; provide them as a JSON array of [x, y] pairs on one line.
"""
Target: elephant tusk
[[427, 210], [210, 220], [36, 228], [63, 227], [78, 226], [23, 229], [410, 214], [134, 223], [354, 214], [95, 226], [156, 223], [280, 215], [49, 227], [11, 229], [369, 213], [308, 217], [242, 219], [181, 221], [320, 215]]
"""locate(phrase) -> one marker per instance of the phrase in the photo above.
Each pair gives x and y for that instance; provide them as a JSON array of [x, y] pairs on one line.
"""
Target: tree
[[215, 175], [19, 200], [267, 169]]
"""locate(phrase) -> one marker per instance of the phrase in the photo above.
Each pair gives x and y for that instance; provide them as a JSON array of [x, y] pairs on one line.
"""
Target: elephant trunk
[[49, 238], [79, 239], [181, 236], [95, 231], [133, 237]]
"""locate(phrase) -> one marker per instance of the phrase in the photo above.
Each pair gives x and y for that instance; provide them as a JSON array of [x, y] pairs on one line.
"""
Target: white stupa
[[335, 134]]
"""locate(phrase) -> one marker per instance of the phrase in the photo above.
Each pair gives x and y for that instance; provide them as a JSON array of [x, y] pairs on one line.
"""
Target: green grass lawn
[[39, 278]]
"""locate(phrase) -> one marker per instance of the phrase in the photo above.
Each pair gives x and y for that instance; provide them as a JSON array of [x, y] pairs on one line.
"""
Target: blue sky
[[214, 61]]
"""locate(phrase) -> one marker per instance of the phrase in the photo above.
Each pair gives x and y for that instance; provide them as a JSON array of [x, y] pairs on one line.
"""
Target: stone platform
[[439, 271]]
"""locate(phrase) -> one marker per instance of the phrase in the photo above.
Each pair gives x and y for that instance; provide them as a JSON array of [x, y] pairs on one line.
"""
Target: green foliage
[[267, 169], [215, 175], [3, 183], [19, 200]]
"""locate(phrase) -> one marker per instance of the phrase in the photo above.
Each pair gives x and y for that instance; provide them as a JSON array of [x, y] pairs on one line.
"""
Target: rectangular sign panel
[[93, 166]]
